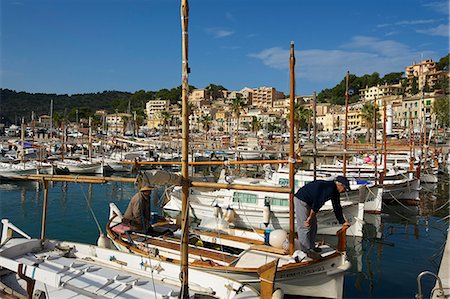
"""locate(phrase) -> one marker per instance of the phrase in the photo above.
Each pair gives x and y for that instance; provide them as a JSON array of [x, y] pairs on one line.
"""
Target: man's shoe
[[314, 255], [317, 249]]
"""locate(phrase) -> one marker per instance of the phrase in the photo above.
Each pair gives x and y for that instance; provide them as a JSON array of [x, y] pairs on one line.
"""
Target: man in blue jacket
[[309, 199]]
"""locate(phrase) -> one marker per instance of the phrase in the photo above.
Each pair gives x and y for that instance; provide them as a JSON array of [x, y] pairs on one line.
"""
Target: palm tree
[[236, 106], [255, 125], [206, 123], [302, 117], [367, 117], [165, 117]]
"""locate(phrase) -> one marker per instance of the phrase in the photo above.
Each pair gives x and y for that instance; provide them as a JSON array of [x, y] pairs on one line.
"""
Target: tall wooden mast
[[346, 124], [315, 135], [292, 157], [185, 150]]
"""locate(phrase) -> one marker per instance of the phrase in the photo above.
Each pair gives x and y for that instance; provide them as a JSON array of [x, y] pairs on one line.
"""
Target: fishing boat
[[296, 274], [261, 210], [78, 167], [38, 268]]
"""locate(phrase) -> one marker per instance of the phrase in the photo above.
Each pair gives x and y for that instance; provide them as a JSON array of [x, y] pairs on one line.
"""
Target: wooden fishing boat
[[250, 208], [37, 268], [296, 274]]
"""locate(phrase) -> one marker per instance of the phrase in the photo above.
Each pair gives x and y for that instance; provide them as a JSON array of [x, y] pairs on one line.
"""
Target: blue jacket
[[316, 193]]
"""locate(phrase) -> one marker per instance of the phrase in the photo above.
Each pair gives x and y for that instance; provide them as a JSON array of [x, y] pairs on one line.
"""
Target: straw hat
[[146, 188]]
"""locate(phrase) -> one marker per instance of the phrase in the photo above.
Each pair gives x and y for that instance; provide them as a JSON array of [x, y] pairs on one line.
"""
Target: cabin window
[[285, 183], [244, 197], [276, 201], [428, 102]]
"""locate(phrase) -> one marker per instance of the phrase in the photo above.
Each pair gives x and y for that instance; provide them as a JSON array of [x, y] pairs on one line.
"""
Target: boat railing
[[439, 289], [8, 229]]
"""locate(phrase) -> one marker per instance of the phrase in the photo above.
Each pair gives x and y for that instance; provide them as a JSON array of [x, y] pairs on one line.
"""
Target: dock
[[444, 271]]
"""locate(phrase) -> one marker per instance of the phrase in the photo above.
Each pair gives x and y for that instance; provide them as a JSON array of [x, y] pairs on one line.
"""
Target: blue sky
[[78, 46]]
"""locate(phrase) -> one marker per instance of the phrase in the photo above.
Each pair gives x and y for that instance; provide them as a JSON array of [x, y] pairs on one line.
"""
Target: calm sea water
[[396, 247]]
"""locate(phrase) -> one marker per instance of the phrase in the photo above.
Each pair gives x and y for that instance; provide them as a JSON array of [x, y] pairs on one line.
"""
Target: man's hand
[[306, 223], [346, 223]]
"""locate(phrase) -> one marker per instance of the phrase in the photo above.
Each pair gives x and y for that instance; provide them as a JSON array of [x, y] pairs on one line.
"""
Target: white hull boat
[[295, 276], [248, 210], [78, 167], [60, 269]]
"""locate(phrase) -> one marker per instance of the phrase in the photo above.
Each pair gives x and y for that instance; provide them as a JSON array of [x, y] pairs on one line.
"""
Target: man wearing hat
[[309, 199], [137, 215]]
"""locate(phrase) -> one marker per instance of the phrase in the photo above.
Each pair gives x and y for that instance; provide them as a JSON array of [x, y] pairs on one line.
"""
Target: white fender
[[104, 242], [277, 238], [230, 215], [278, 294], [217, 211], [266, 215]]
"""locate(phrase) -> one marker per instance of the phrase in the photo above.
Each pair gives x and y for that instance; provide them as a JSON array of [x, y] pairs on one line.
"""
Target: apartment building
[[263, 97], [153, 109], [116, 122], [416, 107], [425, 72], [380, 91]]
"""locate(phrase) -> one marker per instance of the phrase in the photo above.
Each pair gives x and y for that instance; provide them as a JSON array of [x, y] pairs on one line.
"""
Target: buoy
[[278, 294], [266, 214], [277, 238], [104, 242], [217, 211], [229, 215]]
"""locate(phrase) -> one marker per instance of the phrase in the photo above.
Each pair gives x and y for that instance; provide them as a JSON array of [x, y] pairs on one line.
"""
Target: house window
[[283, 202], [244, 197]]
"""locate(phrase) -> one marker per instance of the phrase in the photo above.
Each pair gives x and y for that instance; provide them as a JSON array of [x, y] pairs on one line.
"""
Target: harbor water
[[397, 245]]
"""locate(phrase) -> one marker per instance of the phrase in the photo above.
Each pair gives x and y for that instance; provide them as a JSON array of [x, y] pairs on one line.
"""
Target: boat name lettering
[[304, 272]]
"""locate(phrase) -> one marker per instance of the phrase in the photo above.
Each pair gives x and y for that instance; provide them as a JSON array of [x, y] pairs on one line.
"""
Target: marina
[[396, 247], [214, 193]]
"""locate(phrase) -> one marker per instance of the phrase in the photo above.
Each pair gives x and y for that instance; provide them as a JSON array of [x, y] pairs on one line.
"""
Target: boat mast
[[185, 149], [315, 135], [375, 150], [22, 140], [90, 140], [384, 139], [291, 149], [411, 142], [346, 124]]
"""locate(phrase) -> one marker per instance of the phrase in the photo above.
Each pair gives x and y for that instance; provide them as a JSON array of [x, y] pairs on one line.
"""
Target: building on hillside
[[198, 95], [416, 107], [115, 122], [229, 95], [379, 91], [44, 122], [425, 73], [263, 97], [153, 109]]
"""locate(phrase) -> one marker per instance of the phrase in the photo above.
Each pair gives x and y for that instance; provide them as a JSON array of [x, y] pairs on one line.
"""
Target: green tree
[[255, 125], [215, 91], [441, 108], [165, 118], [414, 86], [367, 115], [443, 64], [236, 106], [206, 124]]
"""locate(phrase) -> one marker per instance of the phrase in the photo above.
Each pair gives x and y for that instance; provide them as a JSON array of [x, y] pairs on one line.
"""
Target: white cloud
[[439, 6], [441, 30], [362, 55], [219, 32]]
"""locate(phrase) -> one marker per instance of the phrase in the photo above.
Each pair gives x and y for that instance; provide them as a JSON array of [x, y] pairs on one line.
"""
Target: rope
[[91, 210]]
